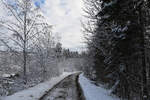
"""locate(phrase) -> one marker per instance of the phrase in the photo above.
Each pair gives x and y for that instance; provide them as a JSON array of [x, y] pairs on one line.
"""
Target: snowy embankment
[[93, 92], [37, 91]]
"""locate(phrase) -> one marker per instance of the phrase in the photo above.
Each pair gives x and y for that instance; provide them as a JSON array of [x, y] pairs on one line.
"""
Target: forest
[[117, 34], [116, 55]]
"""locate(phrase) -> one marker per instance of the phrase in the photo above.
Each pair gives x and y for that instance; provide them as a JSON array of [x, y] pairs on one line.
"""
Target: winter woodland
[[116, 58]]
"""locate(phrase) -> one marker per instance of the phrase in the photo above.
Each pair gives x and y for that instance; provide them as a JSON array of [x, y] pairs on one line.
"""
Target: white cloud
[[66, 16]]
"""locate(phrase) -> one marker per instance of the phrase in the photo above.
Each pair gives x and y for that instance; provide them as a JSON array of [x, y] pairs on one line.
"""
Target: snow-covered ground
[[93, 92], [37, 91], [65, 90]]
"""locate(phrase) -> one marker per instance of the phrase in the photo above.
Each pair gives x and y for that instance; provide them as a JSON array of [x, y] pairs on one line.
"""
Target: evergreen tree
[[117, 44]]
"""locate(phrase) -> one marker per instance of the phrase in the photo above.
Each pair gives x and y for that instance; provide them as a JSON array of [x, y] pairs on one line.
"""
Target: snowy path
[[92, 92], [35, 93], [65, 90]]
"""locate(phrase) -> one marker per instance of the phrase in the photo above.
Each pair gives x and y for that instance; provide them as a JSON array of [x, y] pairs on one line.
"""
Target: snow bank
[[37, 91], [93, 92]]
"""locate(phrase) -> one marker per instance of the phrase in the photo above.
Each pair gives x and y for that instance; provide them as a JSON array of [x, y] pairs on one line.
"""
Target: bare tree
[[44, 47], [21, 27]]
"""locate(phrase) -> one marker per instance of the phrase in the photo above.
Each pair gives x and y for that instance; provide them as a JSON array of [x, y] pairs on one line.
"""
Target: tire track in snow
[[67, 89]]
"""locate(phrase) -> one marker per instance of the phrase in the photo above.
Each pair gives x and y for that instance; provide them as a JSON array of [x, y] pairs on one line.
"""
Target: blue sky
[[39, 2]]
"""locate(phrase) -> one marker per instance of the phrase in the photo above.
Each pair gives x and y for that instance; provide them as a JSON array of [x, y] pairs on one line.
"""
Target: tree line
[[117, 34]]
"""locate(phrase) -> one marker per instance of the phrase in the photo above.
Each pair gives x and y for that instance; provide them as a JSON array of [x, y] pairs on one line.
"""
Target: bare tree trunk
[[144, 77], [24, 47], [24, 65]]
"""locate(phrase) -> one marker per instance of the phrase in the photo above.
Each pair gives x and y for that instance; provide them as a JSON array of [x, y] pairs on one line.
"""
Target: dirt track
[[68, 89]]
